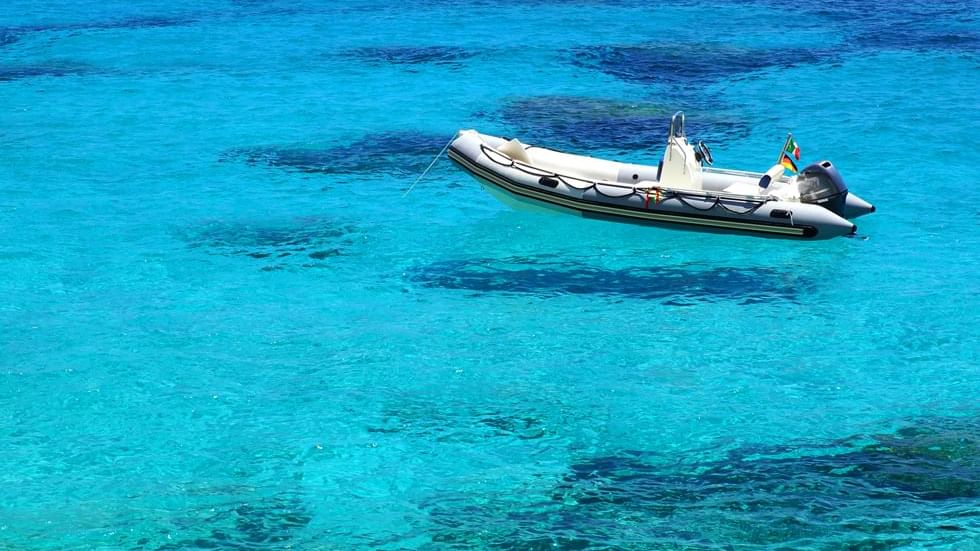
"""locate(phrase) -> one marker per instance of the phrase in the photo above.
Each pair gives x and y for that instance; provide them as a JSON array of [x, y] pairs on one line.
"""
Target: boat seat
[[744, 188], [515, 150], [680, 167]]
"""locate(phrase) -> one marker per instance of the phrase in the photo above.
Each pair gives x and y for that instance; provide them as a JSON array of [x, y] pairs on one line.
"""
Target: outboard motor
[[821, 184]]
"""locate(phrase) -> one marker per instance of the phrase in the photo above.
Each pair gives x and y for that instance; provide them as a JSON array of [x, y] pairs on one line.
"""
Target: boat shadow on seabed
[[677, 286]]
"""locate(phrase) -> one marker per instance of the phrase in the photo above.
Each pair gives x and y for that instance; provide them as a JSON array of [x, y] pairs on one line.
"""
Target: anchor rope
[[428, 168]]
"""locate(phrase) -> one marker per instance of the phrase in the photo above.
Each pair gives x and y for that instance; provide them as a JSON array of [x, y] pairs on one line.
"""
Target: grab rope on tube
[[681, 196]]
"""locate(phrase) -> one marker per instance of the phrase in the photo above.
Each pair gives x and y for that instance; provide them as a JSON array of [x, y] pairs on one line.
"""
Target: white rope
[[428, 168]]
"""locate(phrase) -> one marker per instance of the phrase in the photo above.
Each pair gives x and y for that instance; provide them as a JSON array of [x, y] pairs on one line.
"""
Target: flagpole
[[789, 136]]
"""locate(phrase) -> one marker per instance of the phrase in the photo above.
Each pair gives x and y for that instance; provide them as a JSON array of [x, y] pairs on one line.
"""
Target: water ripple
[[458, 423], [262, 523], [308, 241], [450, 56]]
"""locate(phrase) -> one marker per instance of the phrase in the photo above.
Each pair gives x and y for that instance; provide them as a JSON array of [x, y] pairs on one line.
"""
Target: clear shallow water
[[224, 327]]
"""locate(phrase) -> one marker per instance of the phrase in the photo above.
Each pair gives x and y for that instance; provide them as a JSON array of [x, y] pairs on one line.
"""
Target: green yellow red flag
[[793, 148]]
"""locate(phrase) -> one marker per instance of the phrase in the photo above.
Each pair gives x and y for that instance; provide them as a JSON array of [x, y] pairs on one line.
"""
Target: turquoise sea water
[[225, 327]]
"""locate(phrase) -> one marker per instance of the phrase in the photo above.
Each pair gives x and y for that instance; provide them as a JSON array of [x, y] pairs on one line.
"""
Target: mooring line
[[428, 168]]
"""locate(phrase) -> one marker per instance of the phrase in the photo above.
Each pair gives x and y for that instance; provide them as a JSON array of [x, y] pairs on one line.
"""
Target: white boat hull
[[640, 201]]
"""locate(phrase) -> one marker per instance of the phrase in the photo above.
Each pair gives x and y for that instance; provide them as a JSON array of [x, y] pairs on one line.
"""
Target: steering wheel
[[706, 153]]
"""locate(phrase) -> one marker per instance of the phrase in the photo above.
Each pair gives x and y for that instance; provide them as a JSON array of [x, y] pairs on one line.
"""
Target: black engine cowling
[[821, 184]]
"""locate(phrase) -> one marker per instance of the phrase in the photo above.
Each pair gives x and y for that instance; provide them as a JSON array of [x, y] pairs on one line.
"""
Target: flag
[[788, 163], [793, 148]]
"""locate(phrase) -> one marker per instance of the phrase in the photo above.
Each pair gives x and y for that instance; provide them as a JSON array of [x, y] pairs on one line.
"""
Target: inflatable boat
[[683, 191]]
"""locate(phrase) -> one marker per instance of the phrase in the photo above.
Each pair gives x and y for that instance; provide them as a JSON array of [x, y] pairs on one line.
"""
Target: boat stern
[[854, 206], [821, 184]]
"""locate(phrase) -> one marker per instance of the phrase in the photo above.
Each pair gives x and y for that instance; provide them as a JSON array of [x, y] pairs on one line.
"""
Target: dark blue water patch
[[886, 25], [887, 492], [135, 22], [7, 37], [902, 36], [266, 8], [385, 153], [681, 64], [262, 523], [574, 122], [10, 35], [673, 285], [927, 463], [446, 56], [55, 69], [304, 242]]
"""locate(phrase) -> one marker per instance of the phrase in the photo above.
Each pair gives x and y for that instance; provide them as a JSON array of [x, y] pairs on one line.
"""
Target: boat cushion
[[743, 188], [515, 150], [681, 168]]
